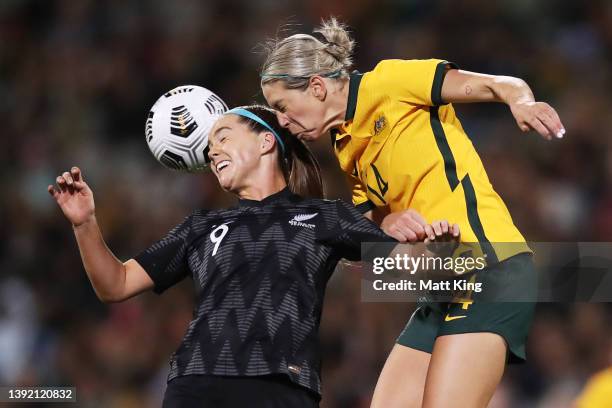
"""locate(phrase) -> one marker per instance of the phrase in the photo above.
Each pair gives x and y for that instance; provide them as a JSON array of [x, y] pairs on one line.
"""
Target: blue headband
[[333, 74], [250, 115]]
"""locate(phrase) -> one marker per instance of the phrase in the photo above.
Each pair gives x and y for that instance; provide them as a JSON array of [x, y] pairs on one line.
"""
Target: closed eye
[[279, 107]]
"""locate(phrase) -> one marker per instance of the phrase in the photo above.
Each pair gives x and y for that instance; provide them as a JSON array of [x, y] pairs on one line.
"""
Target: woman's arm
[[463, 86], [112, 280]]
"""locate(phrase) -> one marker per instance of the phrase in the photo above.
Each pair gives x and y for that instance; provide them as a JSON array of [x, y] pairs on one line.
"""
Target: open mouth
[[222, 164]]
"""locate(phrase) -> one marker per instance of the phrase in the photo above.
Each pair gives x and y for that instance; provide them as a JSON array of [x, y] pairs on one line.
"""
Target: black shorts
[[266, 391]]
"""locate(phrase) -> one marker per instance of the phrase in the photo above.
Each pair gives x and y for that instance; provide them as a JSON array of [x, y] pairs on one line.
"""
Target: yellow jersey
[[402, 147]]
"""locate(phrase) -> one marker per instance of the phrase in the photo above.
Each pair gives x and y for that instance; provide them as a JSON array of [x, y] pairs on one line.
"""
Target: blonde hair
[[328, 52]]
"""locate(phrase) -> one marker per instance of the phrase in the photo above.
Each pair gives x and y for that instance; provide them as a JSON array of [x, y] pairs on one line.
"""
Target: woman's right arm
[[112, 280]]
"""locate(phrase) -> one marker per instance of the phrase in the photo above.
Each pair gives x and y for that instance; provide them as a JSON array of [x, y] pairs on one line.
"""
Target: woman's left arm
[[463, 86]]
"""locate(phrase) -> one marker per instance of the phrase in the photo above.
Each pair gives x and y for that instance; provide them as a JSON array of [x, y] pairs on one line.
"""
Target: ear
[[266, 142], [318, 87]]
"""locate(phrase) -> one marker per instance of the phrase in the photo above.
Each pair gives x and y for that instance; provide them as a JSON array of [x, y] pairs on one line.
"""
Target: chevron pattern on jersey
[[259, 297]]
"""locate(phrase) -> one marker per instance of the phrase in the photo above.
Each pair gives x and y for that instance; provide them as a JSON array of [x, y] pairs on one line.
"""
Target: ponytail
[[304, 176], [293, 60], [338, 42]]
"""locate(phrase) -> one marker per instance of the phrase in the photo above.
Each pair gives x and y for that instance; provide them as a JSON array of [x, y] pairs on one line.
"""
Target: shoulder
[[201, 214], [336, 207], [312, 203], [201, 218], [329, 208], [408, 65]]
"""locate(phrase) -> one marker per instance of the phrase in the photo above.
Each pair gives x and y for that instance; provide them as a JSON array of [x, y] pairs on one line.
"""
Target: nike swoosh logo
[[451, 318]]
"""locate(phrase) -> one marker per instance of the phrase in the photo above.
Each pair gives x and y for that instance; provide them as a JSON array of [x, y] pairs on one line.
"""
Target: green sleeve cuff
[[436, 88]]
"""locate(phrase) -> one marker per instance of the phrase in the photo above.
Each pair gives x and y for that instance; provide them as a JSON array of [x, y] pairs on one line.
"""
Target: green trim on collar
[[351, 105]]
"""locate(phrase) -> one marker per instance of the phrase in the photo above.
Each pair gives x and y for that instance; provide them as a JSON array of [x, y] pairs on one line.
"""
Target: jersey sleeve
[[351, 230], [416, 82], [359, 196], [166, 260]]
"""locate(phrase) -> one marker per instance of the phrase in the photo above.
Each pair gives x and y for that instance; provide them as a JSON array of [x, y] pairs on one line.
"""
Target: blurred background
[[77, 79]]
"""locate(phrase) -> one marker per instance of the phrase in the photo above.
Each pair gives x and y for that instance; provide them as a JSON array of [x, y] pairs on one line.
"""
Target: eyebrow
[[220, 129], [216, 132]]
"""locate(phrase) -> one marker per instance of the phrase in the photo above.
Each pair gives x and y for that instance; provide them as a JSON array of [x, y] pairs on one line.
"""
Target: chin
[[225, 184]]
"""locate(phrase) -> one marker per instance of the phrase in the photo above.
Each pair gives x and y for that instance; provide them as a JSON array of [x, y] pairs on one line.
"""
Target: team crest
[[380, 124], [298, 220]]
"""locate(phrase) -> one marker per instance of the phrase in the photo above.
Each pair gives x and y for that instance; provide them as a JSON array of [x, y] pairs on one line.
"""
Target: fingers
[[52, 191], [443, 231], [61, 184], [414, 228], [436, 227], [549, 118], [539, 127], [407, 226], [553, 127], [556, 119], [397, 234], [414, 222], [524, 126], [431, 234], [68, 177], [542, 118], [76, 174], [408, 234], [440, 227], [70, 181], [418, 218]]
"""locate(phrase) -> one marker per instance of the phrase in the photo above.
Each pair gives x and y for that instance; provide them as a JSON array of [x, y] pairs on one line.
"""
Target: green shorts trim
[[511, 320]]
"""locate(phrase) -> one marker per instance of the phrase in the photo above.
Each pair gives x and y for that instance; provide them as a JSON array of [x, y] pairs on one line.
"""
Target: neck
[[264, 187], [338, 103]]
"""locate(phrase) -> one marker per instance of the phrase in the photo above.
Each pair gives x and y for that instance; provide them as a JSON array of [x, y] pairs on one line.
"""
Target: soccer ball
[[178, 125]]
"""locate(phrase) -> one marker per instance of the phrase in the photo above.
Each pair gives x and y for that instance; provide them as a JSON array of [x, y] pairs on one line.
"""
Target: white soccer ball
[[178, 125]]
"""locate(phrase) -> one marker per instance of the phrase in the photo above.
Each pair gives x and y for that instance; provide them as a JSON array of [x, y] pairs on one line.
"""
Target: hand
[[445, 238], [74, 197], [538, 116], [442, 231], [405, 226]]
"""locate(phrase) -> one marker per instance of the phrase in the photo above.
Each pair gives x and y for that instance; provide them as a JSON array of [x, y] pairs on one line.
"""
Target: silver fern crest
[[304, 217]]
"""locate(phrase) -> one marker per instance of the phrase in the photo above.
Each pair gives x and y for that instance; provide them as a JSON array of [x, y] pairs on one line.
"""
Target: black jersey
[[259, 272]]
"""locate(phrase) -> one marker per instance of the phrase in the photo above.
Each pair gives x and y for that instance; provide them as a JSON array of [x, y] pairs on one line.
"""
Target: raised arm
[[112, 280], [463, 87]]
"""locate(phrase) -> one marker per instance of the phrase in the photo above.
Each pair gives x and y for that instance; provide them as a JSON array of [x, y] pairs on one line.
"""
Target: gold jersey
[[402, 147]]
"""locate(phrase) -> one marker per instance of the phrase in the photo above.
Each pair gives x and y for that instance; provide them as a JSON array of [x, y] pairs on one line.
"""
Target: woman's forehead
[[273, 92], [228, 119], [224, 122]]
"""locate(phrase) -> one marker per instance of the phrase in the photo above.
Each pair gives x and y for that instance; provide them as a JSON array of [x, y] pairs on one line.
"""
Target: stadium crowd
[[77, 80]]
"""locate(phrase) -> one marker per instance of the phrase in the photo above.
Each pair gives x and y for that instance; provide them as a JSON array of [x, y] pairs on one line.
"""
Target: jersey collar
[[351, 107], [284, 194]]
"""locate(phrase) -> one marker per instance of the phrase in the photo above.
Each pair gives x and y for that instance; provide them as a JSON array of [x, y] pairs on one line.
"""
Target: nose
[[283, 120], [212, 152]]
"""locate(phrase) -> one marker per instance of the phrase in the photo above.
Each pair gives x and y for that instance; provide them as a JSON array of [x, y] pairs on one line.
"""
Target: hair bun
[[296, 58], [338, 42]]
